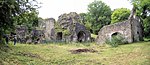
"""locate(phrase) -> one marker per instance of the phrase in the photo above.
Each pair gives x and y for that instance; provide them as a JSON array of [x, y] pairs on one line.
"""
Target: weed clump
[[115, 41]]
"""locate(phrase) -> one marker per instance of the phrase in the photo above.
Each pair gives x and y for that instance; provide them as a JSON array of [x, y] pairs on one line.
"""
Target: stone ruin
[[24, 36], [21, 32], [67, 28], [72, 30], [49, 29], [131, 30], [44, 31]]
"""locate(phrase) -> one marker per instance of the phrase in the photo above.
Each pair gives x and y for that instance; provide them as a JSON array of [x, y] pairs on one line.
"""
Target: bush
[[115, 41]]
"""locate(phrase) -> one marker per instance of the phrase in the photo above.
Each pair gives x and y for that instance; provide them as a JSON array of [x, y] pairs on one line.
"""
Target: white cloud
[[54, 8]]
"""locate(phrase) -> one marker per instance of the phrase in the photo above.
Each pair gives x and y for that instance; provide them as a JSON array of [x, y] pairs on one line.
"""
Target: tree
[[29, 19], [84, 21], [9, 9], [99, 14], [146, 25], [120, 15], [143, 11], [142, 7], [83, 17]]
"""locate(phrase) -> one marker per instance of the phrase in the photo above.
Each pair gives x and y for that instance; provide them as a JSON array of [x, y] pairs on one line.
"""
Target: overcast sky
[[54, 8]]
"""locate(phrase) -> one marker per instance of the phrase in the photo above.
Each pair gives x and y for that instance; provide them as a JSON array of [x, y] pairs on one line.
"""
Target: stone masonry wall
[[137, 30], [71, 22], [131, 31], [49, 28], [123, 28]]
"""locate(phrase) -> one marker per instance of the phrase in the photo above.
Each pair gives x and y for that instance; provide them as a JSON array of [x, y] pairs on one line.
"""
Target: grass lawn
[[94, 36], [61, 54]]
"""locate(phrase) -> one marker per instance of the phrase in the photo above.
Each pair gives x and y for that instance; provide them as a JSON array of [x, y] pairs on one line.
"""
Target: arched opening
[[81, 36], [116, 35], [59, 35]]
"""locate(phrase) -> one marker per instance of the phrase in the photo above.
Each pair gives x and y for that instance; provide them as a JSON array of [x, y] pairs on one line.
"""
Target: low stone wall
[[24, 36]]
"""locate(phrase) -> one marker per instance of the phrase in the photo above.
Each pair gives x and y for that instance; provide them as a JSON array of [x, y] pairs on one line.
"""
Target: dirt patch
[[76, 51]]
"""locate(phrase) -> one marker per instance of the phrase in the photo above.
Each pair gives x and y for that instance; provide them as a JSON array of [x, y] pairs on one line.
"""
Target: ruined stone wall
[[137, 30], [37, 36], [21, 32], [49, 28], [66, 20], [124, 28], [41, 24], [130, 30], [71, 23], [81, 28], [24, 36]]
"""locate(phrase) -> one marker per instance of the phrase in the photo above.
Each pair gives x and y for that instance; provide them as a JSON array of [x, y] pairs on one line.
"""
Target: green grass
[[94, 36], [59, 54], [146, 39]]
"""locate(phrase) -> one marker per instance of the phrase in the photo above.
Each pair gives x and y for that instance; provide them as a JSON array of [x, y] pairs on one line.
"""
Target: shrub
[[66, 32], [115, 41]]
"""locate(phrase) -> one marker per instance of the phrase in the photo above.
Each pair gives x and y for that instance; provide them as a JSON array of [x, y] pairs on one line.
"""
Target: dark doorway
[[81, 36], [116, 35], [59, 36]]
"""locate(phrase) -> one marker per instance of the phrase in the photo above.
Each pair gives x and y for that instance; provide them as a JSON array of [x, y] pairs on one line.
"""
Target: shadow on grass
[[5, 48]]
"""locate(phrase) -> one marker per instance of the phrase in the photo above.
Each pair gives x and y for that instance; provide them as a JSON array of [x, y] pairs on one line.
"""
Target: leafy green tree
[[99, 14], [88, 25], [84, 20], [29, 19], [9, 9], [146, 24], [119, 15], [143, 11], [83, 17], [142, 7]]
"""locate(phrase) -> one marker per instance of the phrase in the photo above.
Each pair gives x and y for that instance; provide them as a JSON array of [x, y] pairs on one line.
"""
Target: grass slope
[[59, 54]]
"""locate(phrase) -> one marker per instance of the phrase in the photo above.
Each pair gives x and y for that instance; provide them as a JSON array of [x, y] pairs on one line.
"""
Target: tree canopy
[[142, 7], [29, 19], [99, 14], [143, 11], [120, 15], [83, 17], [12, 11]]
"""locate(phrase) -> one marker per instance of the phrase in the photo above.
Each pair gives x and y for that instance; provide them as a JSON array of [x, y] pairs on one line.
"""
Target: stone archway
[[81, 36], [116, 35], [59, 35]]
